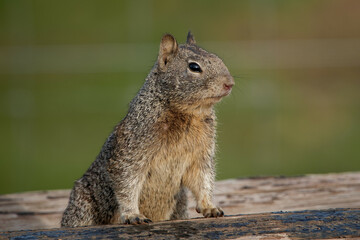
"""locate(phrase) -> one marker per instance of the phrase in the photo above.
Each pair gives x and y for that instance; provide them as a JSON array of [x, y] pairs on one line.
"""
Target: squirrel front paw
[[134, 219], [210, 212]]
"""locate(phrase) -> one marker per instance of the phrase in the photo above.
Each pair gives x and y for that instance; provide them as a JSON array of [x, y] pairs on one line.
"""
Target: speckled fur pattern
[[164, 146]]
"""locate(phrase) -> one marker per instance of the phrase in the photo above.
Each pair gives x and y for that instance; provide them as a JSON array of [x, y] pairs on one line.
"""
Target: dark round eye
[[195, 67]]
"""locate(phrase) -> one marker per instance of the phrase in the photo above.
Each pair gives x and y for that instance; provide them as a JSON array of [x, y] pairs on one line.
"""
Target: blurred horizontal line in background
[[258, 54]]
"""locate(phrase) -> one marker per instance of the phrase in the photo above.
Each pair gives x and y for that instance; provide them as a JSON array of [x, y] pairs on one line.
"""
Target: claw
[[146, 220], [135, 219], [198, 210], [211, 212], [221, 213]]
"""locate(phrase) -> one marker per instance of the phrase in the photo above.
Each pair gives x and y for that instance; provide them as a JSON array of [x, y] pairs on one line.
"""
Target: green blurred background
[[68, 70]]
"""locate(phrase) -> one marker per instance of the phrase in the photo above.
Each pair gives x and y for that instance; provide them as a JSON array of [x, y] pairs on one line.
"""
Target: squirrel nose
[[229, 83], [228, 86]]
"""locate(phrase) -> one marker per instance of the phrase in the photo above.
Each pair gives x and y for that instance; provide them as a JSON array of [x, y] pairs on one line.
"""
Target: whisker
[[239, 76]]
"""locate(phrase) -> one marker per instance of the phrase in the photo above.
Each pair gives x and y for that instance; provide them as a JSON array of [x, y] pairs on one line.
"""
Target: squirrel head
[[189, 76]]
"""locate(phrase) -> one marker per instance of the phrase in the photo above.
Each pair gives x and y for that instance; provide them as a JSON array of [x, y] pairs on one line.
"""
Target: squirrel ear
[[168, 48], [190, 39]]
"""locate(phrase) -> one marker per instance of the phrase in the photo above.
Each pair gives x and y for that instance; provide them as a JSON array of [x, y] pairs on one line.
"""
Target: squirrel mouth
[[217, 98], [227, 92]]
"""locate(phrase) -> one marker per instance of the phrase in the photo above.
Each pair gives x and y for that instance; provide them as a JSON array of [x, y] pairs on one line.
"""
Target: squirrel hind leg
[[180, 210], [79, 210]]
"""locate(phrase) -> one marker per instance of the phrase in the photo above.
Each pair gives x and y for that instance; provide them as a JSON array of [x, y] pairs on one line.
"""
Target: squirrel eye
[[195, 67]]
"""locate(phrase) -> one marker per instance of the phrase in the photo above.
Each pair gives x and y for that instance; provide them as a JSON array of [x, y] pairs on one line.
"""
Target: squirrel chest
[[184, 140]]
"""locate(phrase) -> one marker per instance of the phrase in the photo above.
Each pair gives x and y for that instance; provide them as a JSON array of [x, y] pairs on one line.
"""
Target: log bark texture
[[313, 224], [43, 209]]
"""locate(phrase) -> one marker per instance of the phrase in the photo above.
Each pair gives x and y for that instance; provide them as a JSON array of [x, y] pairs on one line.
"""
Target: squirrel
[[164, 145]]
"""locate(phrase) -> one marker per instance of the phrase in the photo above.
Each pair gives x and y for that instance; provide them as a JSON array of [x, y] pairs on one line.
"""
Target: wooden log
[[315, 224], [42, 210]]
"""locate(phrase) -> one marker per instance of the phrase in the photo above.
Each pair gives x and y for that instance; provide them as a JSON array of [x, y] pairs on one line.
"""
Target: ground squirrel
[[163, 146]]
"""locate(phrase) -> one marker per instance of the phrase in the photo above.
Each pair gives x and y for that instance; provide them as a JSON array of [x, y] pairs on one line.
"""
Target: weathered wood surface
[[315, 224], [41, 210]]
